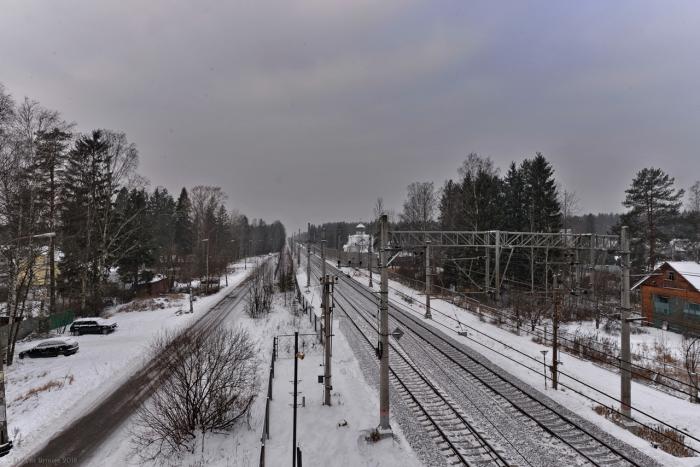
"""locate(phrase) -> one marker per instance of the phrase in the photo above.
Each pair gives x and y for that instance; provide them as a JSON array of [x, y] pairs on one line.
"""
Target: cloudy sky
[[307, 110]]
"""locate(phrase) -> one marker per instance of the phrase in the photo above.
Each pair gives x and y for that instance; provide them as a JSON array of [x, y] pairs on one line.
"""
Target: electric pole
[[625, 368], [555, 334], [384, 327], [327, 282], [428, 315], [308, 255], [206, 240], [369, 261], [323, 252]]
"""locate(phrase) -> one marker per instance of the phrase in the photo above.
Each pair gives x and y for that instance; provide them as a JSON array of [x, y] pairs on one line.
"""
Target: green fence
[[59, 320]]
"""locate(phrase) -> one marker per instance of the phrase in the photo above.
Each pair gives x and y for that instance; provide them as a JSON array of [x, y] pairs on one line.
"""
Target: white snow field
[[46, 394]]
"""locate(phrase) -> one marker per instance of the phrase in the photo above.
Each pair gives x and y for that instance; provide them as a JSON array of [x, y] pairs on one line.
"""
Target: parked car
[[51, 348], [92, 326]]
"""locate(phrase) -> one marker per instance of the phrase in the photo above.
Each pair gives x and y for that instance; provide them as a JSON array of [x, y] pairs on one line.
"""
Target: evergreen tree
[[652, 201], [540, 188], [137, 251], [85, 195], [161, 215], [183, 230], [515, 202], [449, 208]]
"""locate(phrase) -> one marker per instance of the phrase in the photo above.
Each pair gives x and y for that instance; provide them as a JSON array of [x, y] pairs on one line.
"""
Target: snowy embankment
[[500, 345], [46, 394]]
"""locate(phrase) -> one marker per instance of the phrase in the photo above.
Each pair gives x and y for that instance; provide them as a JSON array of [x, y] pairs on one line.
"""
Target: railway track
[[448, 427], [520, 425]]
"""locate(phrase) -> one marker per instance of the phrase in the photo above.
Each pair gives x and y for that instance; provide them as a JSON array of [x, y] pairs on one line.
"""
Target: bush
[[211, 382]]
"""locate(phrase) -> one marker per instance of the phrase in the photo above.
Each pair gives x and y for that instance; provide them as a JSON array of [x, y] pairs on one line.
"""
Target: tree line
[[74, 212]]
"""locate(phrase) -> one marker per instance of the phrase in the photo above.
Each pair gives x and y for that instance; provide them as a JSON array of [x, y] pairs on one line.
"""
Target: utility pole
[[428, 284], [294, 428], [369, 261], [323, 252], [299, 248], [383, 349], [497, 267], [308, 255], [5, 443], [52, 273], [337, 247], [206, 240], [487, 277], [555, 334], [625, 367], [327, 282]]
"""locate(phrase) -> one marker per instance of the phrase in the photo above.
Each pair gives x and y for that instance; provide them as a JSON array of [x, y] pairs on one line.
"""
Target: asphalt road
[[76, 443]]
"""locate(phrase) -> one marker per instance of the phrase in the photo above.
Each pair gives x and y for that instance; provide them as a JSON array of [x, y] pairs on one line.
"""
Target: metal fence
[[266, 423]]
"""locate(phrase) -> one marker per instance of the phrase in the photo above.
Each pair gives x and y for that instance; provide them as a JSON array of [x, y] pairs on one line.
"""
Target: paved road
[[76, 443]]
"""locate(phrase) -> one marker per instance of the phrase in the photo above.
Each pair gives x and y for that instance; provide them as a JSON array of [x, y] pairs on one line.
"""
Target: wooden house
[[670, 296]]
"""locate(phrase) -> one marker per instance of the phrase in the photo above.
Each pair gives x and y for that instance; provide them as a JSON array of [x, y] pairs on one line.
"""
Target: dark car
[[92, 326], [51, 348]]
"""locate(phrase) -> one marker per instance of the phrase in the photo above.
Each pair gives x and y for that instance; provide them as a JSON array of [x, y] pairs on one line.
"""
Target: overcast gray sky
[[307, 110]]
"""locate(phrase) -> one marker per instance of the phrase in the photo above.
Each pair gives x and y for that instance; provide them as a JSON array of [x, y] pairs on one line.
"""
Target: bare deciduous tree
[[260, 292], [420, 204], [211, 383], [691, 350], [569, 203]]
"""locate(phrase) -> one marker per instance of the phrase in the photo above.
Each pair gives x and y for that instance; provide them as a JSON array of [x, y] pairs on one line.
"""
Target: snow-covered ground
[[46, 394], [332, 435], [499, 346], [322, 441]]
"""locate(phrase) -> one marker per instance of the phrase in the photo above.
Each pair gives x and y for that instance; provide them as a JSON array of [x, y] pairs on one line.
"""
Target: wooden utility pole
[[625, 366], [383, 349], [428, 284]]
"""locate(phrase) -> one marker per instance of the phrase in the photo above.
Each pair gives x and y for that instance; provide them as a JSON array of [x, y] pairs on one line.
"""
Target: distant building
[[358, 242], [671, 296]]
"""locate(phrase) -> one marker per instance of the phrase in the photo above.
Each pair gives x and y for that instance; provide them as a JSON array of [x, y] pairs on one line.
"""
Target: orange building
[[671, 296]]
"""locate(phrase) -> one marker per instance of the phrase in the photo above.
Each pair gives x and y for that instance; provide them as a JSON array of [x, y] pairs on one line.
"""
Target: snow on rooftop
[[690, 270]]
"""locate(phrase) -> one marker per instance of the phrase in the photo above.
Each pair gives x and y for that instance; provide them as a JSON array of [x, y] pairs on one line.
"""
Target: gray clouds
[[310, 109]]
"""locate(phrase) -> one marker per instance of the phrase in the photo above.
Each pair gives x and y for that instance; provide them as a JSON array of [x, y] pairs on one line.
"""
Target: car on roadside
[[92, 326], [51, 348]]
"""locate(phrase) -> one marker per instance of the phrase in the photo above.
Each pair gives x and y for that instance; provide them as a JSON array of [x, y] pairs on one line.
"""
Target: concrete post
[[428, 288], [328, 339], [625, 366], [308, 255], [384, 327]]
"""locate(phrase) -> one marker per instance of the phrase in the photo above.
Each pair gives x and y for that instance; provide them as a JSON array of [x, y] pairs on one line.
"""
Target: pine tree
[[652, 200]]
